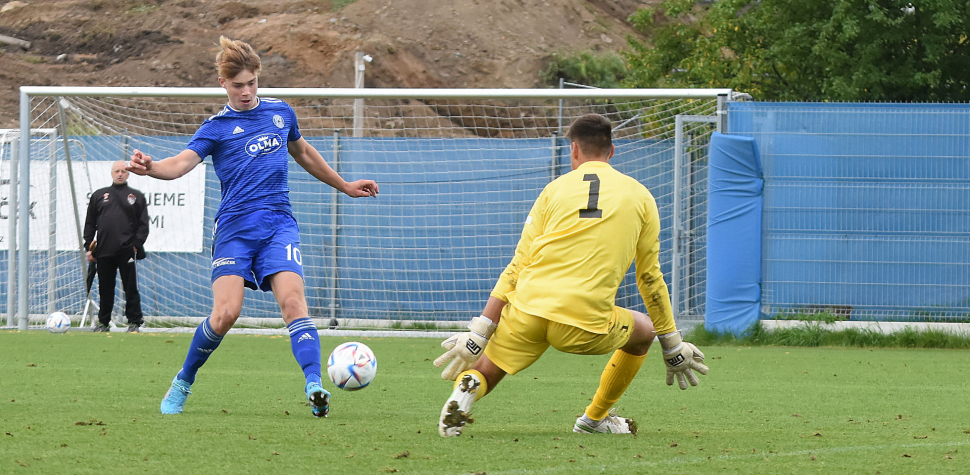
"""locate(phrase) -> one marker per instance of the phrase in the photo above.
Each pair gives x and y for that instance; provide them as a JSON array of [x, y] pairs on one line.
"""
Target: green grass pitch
[[88, 403]]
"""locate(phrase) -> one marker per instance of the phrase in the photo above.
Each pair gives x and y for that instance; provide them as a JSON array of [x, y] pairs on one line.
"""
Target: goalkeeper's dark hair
[[234, 57], [593, 133]]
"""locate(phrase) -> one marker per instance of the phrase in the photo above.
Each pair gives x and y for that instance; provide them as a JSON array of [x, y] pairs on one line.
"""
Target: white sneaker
[[611, 424], [455, 414]]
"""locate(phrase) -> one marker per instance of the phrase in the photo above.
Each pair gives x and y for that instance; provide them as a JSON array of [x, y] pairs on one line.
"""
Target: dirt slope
[[414, 43]]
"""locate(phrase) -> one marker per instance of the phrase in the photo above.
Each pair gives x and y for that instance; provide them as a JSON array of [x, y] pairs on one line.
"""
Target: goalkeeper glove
[[682, 359], [465, 348]]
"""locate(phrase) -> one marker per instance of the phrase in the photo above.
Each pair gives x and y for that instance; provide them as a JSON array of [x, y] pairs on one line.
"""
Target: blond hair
[[234, 57]]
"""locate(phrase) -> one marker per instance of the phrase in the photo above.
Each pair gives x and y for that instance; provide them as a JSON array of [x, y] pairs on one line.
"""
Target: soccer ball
[[58, 322], [352, 366]]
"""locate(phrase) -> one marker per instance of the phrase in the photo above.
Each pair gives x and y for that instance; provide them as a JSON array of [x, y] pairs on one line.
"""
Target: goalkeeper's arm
[[650, 279], [493, 309], [681, 358], [464, 349]]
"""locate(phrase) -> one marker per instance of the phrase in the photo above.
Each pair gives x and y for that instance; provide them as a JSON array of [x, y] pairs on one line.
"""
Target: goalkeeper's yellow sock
[[617, 376], [482, 390]]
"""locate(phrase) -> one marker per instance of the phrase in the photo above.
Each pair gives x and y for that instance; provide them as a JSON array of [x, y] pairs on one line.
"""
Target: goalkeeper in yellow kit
[[582, 233]]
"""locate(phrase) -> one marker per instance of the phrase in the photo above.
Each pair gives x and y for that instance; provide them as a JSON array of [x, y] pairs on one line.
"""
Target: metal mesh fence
[[867, 209]]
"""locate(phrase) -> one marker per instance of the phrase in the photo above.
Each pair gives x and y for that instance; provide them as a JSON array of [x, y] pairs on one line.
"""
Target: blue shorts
[[255, 246]]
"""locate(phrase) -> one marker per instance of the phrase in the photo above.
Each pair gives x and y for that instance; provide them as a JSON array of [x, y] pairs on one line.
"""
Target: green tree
[[603, 70], [806, 50]]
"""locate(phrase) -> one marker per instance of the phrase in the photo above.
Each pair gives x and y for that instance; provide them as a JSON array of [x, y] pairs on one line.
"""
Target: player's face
[[119, 174], [241, 90]]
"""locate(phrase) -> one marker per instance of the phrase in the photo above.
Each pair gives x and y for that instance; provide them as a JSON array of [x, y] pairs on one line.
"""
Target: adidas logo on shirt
[[237, 130]]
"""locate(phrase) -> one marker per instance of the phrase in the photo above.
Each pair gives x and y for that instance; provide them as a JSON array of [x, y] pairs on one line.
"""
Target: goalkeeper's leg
[[517, 343], [470, 386], [618, 374]]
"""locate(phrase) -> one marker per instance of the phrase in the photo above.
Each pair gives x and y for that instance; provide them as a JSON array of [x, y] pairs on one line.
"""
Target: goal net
[[458, 172]]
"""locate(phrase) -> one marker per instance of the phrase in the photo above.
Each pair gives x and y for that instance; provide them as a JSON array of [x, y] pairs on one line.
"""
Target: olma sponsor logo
[[263, 144]]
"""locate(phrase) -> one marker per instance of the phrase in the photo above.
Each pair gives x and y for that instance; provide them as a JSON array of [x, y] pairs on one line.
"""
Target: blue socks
[[306, 348], [205, 341], [303, 339]]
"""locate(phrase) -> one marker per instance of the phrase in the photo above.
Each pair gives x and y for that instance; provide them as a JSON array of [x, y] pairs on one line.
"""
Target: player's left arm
[[680, 357], [650, 279], [311, 161]]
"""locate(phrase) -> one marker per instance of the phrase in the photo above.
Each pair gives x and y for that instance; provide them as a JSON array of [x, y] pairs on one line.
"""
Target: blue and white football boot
[[175, 397], [319, 399]]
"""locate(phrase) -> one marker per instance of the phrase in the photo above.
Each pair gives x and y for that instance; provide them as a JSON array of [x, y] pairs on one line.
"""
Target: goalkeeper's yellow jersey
[[582, 233]]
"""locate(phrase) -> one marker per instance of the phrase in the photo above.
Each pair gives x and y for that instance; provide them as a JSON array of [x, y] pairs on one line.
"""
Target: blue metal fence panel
[[867, 208]]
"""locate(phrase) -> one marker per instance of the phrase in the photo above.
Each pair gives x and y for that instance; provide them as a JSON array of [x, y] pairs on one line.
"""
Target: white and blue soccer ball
[[352, 366], [58, 322]]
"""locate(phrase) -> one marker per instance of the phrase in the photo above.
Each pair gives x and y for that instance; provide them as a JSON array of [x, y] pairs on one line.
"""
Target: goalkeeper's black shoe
[[99, 328], [456, 413]]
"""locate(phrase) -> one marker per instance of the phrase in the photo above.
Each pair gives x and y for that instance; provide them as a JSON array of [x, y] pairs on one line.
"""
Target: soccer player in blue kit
[[256, 239]]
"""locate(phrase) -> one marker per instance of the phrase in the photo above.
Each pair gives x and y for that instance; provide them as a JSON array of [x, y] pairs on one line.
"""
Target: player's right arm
[[532, 229], [90, 225], [167, 169], [464, 349]]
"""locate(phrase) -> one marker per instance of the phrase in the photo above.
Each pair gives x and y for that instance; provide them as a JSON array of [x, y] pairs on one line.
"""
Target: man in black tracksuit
[[114, 233]]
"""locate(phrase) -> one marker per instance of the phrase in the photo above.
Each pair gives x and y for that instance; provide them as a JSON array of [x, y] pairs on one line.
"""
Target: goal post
[[458, 171], [10, 164]]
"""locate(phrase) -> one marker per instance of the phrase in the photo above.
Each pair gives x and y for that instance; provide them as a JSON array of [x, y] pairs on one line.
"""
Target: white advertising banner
[[176, 208]]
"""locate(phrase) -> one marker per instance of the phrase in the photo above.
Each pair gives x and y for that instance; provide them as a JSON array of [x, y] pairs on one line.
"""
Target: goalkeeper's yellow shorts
[[521, 338]]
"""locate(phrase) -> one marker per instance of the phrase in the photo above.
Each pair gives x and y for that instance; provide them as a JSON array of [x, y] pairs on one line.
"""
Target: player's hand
[[140, 164], [89, 256], [362, 188], [682, 359], [465, 348]]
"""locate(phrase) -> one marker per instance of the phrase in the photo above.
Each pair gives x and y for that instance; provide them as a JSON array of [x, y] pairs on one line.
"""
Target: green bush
[[603, 70]]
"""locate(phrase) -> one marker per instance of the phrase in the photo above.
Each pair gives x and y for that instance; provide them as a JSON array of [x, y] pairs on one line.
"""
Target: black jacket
[[119, 216]]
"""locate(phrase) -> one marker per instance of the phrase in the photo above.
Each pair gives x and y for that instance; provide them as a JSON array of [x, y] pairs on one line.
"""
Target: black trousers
[[125, 265]]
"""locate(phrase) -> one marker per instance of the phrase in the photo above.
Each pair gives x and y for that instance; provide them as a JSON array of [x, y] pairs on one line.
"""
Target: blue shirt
[[250, 156]]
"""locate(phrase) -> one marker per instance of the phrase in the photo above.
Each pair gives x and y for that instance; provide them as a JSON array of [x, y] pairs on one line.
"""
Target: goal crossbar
[[382, 93]]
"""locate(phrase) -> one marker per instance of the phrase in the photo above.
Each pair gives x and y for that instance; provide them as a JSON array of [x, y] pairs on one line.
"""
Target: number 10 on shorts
[[293, 254]]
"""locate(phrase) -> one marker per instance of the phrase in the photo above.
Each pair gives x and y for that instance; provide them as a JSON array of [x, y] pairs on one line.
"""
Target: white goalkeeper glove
[[465, 348], [682, 359]]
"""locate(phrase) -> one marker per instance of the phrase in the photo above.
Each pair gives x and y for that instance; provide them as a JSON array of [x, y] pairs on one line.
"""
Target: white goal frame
[[28, 93]]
